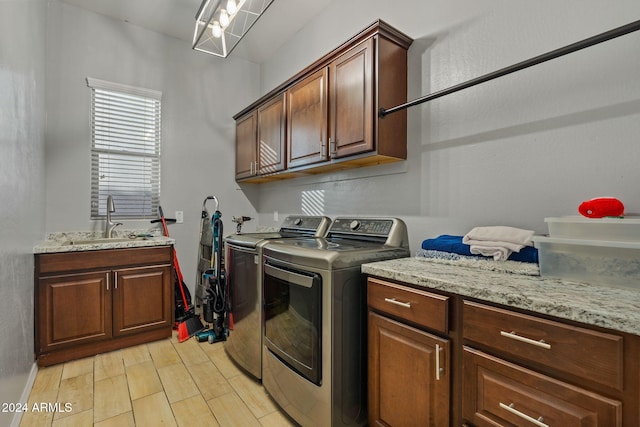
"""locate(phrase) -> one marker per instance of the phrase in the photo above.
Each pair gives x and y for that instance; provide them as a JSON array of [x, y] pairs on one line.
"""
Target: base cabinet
[[85, 307], [73, 309], [501, 367], [408, 380], [499, 393], [140, 297]]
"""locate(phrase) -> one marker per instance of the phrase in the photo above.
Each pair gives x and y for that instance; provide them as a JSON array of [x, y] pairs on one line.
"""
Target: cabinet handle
[[396, 302], [332, 147], [251, 168], [517, 337], [511, 408], [115, 280], [107, 282], [439, 370]]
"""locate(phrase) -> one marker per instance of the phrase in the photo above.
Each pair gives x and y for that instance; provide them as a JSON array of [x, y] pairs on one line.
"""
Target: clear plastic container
[[625, 229], [610, 263]]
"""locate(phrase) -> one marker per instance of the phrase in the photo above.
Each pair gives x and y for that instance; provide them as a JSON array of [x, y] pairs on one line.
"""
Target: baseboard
[[17, 417]]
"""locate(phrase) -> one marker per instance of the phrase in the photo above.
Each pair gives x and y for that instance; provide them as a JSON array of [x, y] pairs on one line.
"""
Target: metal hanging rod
[[599, 38]]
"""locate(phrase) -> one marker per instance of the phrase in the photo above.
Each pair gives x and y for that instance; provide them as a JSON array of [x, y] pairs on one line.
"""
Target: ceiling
[[176, 18]]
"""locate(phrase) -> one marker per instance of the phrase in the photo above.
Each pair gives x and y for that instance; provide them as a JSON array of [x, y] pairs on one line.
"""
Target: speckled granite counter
[[612, 308], [91, 241]]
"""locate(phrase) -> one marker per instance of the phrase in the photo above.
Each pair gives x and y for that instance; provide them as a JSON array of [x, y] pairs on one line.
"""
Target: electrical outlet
[[179, 217], [275, 216]]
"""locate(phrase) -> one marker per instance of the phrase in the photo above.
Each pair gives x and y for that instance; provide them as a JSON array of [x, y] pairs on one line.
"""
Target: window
[[125, 149]]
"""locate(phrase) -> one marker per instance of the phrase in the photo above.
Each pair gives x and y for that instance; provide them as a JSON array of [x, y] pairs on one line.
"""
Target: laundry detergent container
[[601, 262], [625, 229]]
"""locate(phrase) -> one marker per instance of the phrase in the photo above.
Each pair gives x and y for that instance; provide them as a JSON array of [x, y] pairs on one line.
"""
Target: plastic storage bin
[[601, 262], [578, 227]]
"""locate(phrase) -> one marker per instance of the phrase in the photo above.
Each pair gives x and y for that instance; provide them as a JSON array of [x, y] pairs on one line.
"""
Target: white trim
[[119, 87], [17, 417]]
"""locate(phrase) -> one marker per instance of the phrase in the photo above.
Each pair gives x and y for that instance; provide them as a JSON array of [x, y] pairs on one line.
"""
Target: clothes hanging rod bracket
[[599, 38]]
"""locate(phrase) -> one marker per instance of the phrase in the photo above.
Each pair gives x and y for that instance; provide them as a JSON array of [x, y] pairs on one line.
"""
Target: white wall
[[201, 93], [22, 25], [512, 151]]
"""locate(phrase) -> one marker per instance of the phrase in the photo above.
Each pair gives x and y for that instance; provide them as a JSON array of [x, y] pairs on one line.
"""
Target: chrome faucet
[[111, 207]]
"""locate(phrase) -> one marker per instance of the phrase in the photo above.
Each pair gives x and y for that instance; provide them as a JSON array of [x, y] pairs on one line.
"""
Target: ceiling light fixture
[[221, 24]]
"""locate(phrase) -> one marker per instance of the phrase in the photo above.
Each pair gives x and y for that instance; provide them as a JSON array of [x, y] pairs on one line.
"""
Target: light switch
[[179, 217]]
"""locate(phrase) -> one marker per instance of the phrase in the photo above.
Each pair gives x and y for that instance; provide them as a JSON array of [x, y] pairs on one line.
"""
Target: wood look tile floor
[[164, 383]]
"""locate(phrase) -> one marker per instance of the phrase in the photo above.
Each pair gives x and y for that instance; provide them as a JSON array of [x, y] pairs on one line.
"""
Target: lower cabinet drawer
[[498, 393], [591, 355], [419, 307]]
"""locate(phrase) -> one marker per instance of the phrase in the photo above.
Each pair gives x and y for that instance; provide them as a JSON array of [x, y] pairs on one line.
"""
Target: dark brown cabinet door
[[246, 128], [351, 111], [408, 375], [271, 136], [307, 125], [499, 393], [142, 299], [74, 309]]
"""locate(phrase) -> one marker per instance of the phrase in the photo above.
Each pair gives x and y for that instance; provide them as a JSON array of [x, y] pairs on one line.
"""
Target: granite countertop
[[76, 241], [607, 307]]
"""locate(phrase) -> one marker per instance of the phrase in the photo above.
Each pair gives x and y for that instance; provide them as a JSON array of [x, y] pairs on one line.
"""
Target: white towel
[[498, 242]]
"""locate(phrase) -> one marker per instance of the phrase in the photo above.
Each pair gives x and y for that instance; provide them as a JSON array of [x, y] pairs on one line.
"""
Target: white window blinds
[[125, 149]]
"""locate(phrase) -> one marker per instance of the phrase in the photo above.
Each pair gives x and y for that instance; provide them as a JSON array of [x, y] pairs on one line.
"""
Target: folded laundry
[[454, 244], [497, 241], [500, 234]]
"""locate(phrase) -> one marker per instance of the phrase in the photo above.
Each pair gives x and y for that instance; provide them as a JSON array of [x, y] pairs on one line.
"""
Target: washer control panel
[[362, 226]]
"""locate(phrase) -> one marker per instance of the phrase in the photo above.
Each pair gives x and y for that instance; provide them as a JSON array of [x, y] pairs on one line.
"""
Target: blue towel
[[453, 244]]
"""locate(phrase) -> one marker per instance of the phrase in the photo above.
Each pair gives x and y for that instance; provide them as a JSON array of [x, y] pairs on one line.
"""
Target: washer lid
[[330, 254], [293, 226]]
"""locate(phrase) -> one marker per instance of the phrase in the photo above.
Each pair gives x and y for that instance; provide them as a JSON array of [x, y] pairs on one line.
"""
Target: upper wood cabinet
[[332, 106], [260, 139], [352, 116], [271, 136], [246, 141], [307, 120]]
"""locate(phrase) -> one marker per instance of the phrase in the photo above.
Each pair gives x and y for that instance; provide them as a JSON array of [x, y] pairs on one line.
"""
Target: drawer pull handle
[[511, 408], [396, 302], [517, 337], [439, 370]]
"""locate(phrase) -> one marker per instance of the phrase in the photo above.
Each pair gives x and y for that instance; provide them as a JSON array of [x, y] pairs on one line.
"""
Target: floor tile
[[122, 420], [78, 392], [163, 354], [224, 364], [190, 352], [111, 398], [77, 367], [33, 418], [153, 410], [177, 382], [193, 410], [230, 411], [135, 355], [209, 380], [143, 380], [108, 365], [81, 419], [48, 378], [276, 419], [253, 395], [163, 383]]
